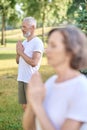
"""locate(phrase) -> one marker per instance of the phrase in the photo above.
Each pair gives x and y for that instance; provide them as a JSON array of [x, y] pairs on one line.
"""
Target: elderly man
[[29, 54]]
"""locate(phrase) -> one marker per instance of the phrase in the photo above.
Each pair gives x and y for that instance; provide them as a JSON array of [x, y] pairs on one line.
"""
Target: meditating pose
[[60, 103], [28, 58]]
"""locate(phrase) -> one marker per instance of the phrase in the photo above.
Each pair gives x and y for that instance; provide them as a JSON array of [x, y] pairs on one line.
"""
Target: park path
[[10, 48]]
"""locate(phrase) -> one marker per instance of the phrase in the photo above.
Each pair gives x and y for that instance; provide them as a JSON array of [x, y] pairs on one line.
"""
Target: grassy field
[[10, 110]]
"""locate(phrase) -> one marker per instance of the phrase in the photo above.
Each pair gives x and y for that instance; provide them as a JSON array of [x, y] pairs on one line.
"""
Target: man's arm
[[29, 119], [17, 55], [17, 58], [32, 61]]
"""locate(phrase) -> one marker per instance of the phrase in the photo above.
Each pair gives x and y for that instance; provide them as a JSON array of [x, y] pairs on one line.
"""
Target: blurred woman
[[60, 103]]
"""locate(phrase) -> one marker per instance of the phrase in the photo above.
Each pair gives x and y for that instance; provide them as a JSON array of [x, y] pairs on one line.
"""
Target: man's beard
[[27, 34]]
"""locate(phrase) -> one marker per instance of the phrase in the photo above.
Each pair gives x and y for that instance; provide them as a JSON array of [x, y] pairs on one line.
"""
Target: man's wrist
[[22, 54], [17, 54]]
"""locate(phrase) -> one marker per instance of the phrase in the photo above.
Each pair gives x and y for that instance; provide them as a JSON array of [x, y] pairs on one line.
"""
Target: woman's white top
[[65, 100]]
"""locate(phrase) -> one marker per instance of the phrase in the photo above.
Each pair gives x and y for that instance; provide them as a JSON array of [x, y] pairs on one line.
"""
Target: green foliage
[[8, 10], [50, 12], [81, 19], [77, 13], [6, 6]]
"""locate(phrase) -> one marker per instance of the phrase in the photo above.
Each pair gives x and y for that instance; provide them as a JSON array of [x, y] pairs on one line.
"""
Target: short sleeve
[[39, 46], [78, 105]]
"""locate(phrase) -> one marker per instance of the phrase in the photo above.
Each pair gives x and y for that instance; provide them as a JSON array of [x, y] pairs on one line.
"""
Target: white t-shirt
[[25, 70], [66, 100]]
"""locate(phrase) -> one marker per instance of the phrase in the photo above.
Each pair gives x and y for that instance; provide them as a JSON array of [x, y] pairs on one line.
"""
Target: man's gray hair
[[31, 21]]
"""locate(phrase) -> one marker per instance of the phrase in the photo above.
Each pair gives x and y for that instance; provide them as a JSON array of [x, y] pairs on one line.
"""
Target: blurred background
[[49, 14]]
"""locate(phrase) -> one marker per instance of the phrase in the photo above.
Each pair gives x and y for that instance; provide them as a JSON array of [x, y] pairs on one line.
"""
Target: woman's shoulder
[[81, 86], [83, 81], [51, 80]]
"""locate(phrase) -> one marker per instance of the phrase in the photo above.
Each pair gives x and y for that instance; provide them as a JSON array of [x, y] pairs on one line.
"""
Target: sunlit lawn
[[10, 110]]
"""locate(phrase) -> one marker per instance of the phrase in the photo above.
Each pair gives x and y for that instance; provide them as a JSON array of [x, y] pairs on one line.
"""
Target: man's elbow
[[33, 64], [17, 61]]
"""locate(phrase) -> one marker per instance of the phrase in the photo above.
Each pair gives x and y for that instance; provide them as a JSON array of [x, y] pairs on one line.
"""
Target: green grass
[[10, 111]]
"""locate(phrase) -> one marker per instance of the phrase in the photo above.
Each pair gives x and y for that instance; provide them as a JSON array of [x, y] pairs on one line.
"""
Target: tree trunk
[[43, 26], [3, 29], [43, 20]]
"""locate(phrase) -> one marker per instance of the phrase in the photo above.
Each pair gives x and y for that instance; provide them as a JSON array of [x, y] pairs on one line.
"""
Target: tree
[[77, 13], [6, 8], [47, 12]]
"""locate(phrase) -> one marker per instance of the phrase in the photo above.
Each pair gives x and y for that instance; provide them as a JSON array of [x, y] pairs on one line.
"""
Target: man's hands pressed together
[[19, 48]]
